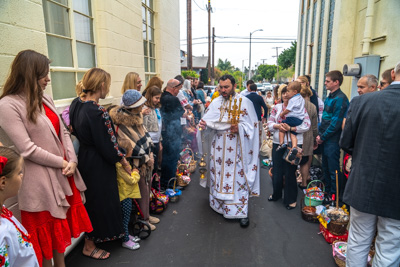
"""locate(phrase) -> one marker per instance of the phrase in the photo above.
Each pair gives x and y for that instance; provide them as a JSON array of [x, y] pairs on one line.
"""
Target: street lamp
[[251, 33]]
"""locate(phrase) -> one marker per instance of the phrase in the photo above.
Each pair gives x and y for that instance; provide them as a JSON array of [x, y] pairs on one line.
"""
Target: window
[[70, 41], [148, 39]]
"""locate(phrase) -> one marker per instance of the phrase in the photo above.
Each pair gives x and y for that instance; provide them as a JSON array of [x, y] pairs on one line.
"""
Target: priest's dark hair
[[226, 77]]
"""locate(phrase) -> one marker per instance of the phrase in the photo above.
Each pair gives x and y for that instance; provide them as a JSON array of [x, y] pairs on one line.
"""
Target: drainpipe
[[368, 27]]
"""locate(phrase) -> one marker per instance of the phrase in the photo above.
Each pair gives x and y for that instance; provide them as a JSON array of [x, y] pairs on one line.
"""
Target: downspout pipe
[[368, 27]]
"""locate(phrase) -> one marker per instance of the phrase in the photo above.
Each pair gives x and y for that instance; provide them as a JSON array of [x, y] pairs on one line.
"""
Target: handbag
[[297, 159], [266, 148]]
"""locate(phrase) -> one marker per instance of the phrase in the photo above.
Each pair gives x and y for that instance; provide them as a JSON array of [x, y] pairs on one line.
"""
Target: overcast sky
[[237, 18]]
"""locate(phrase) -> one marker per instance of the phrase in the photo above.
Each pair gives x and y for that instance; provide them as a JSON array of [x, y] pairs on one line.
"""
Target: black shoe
[[293, 154], [271, 198], [244, 222], [288, 207]]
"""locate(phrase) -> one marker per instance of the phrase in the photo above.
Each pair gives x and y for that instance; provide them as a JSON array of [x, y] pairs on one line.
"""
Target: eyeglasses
[[176, 86], [383, 83]]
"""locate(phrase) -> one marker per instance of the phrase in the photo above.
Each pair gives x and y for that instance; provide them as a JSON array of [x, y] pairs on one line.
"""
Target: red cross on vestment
[[228, 175], [230, 149], [243, 200], [254, 168], [227, 187], [219, 148], [229, 162]]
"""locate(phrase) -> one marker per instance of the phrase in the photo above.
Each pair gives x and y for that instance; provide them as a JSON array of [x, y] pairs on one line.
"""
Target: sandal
[[102, 255]]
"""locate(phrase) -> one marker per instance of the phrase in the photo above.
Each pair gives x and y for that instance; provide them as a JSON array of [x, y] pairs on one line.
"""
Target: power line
[[199, 6], [239, 42], [246, 38]]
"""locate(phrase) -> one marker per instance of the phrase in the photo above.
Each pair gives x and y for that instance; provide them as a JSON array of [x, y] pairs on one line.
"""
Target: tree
[[267, 71], [189, 73], [287, 58], [225, 65]]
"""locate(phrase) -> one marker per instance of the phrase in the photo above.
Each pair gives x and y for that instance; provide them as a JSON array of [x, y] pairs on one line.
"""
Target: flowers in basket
[[315, 193]]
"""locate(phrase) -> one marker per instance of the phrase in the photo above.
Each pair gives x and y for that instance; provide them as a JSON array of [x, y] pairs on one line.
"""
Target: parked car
[[260, 87], [268, 86]]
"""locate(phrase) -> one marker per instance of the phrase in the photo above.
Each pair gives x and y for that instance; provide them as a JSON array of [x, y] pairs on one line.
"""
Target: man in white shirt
[[247, 91]]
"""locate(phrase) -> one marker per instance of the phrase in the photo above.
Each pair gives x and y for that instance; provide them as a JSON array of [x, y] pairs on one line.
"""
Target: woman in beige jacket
[[51, 195]]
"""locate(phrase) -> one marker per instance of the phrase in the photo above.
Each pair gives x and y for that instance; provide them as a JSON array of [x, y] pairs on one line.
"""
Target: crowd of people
[[121, 148]]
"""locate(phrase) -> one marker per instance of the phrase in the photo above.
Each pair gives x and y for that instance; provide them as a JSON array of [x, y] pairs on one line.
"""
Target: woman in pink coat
[[51, 196]]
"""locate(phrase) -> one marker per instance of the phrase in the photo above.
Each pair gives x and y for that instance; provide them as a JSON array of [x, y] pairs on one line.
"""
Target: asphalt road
[[192, 234]]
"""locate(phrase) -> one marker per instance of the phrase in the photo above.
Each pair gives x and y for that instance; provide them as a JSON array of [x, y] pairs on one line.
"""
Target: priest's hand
[[202, 125], [234, 128]]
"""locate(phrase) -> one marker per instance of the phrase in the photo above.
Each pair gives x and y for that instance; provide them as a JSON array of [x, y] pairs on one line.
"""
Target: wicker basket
[[190, 164], [337, 228], [174, 198], [307, 214], [308, 201], [181, 182]]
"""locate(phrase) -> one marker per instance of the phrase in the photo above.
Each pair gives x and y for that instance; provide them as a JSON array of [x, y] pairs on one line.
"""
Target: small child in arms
[[295, 115]]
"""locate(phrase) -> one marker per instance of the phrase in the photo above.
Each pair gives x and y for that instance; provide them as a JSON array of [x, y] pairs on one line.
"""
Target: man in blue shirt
[[335, 109]]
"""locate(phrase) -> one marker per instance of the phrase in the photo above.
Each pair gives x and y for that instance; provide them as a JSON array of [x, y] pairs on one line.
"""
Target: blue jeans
[[330, 164]]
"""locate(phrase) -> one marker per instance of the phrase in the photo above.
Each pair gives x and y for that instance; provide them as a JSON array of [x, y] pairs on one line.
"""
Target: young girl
[[129, 120], [128, 189], [15, 246], [152, 121]]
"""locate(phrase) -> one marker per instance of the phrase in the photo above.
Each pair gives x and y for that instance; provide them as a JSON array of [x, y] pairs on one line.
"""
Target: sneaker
[[293, 154], [153, 220], [130, 245], [134, 238]]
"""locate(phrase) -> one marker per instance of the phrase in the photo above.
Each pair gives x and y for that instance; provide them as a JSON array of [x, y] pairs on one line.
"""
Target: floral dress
[[15, 246]]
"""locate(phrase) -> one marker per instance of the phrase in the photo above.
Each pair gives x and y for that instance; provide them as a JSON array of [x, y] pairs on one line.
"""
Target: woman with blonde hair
[[132, 81], [50, 198], [98, 154]]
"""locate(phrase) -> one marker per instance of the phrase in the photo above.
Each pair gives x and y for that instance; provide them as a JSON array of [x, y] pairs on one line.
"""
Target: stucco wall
[[21, 27], [348, 33]]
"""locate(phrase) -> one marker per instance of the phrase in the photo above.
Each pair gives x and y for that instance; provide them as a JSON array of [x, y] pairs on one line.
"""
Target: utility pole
[[189, 35], [213, 52], [209, 41], [277, 65]]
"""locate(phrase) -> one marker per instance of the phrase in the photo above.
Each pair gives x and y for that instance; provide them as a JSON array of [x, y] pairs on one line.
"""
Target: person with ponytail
[[98, 154], [51, 196], [15, 246]]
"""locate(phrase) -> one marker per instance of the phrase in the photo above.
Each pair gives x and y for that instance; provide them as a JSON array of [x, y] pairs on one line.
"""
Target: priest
[[229, 136]]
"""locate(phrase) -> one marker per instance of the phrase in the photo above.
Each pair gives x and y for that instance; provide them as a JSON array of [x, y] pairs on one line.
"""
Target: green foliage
[[257, 78], [267, 71], [225, 65], [288, 57], [287, 73], [204, 76], [189, 73]]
